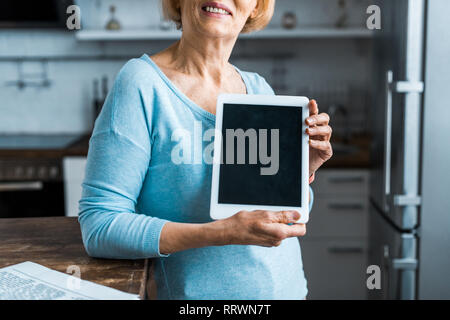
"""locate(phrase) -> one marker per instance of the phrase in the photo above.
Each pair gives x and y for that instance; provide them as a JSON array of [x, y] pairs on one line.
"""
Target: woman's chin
[[211, 30]]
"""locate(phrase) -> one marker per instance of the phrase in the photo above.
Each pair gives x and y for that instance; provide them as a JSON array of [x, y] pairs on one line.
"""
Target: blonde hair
[[264, 12]]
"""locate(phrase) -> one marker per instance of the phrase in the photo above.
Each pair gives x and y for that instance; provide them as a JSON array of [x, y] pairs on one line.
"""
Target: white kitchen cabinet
[[74, 168], [335, 268], [341, 182], [334, 249], [339, 216]]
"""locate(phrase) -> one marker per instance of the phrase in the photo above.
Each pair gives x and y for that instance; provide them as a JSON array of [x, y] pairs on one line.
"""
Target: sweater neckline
[[191, 104]]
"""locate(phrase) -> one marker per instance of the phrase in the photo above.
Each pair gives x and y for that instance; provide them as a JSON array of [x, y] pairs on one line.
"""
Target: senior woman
[[137, 203]]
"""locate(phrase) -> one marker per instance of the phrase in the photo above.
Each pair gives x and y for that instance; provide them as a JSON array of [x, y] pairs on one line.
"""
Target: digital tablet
[[261, 155]]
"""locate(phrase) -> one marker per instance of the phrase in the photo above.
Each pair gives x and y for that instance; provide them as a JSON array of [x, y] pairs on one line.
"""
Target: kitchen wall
[[331, 69]]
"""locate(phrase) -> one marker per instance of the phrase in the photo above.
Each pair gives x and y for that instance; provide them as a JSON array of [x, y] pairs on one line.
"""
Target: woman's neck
[[206, 58]]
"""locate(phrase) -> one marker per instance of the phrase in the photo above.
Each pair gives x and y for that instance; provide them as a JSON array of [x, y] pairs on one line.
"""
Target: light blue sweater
[[132, 188]]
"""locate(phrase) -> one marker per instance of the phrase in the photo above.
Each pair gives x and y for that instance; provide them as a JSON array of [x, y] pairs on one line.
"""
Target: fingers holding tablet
[[319, 132], [263, 228], [321, 119], [286, 216], [313, 107], [320, 145]]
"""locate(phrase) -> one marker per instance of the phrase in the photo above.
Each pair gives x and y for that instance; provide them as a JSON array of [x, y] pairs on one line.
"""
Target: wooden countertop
[[56, 243], [78, 148]]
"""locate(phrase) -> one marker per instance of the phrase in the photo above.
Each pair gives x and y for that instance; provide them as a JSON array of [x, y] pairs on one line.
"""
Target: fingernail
[[294, 215]]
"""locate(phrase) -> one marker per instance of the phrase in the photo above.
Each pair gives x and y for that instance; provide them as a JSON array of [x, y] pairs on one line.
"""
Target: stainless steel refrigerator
[[410, 151]]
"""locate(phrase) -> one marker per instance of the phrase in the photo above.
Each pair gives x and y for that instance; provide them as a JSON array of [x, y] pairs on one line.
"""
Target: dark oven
[[31, 188]]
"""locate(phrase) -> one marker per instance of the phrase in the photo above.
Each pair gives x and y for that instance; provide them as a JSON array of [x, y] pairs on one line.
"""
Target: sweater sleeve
[[118, 160]]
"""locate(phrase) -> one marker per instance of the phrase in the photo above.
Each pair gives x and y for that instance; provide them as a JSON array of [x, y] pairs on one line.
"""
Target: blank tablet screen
[[268, 176]]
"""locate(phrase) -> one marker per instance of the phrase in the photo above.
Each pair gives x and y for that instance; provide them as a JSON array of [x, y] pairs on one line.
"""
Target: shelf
[[310, 33], [155, 34], [126, 35]]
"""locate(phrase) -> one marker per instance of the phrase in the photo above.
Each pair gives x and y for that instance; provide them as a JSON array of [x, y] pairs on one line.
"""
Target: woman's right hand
[[262, 228]]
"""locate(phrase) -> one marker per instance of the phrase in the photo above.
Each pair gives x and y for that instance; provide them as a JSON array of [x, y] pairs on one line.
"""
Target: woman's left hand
[[319, 132]]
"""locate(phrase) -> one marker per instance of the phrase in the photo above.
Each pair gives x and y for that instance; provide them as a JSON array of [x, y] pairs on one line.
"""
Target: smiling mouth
[[216, 9]]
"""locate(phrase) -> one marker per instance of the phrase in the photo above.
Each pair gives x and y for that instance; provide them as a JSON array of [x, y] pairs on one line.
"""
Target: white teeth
[[216, 10]]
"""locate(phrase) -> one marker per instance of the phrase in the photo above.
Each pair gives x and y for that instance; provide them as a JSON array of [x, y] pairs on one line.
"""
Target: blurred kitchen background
[[380, 200]]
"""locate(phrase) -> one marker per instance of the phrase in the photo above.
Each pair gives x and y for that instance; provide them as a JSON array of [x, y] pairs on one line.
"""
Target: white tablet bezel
[[221, 210]]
